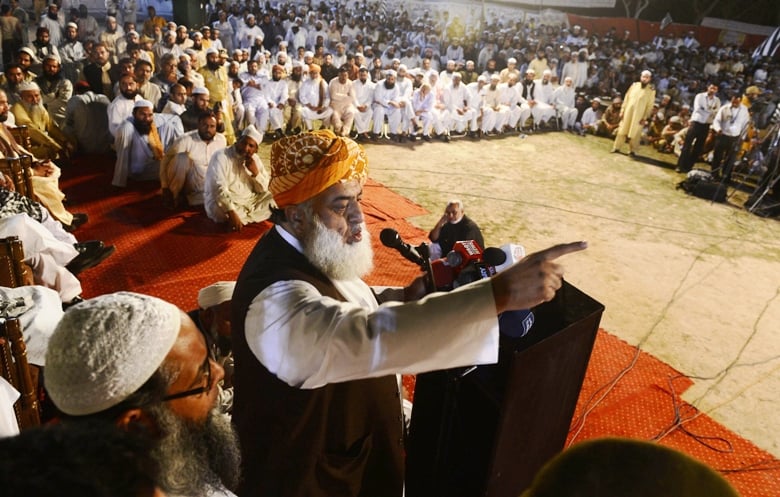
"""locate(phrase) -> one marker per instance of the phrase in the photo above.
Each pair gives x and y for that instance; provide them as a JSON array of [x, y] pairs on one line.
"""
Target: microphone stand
[[425, 253]]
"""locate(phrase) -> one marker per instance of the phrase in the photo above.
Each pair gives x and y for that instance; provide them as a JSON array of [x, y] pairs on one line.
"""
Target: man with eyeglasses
[[141, 363]]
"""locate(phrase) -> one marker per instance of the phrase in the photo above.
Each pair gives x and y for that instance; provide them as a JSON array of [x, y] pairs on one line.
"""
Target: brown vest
[[344, 439]]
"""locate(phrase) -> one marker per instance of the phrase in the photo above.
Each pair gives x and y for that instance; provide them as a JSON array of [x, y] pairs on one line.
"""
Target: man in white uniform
[[122, 106], [276, 93], [253, 96], [183, 167], [364, 95], [237, 184], [317, 356]]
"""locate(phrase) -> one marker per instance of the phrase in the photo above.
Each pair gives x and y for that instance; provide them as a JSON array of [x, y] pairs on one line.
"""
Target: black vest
[[344, 439]]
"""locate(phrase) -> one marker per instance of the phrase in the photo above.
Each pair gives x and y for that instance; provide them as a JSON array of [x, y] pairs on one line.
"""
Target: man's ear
[[295, 219], [137, 420]]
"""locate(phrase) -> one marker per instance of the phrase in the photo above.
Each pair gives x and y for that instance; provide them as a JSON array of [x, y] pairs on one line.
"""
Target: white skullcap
[[646, 72], [29, 86], [308, 54], [212, 50], [390, 72], [108, 18], [456, 75], [492, 77], [134, 33], [28, 51], [143, 103], [198, 34], [105, 348], [200, 90], [73, 25], [296, 63], [251, 132], [511, 60], [547, 72], [530, 71], [215, 294], [402, 67]]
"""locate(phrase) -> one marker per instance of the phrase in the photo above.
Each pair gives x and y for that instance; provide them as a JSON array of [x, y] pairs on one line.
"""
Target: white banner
[[740, 27]]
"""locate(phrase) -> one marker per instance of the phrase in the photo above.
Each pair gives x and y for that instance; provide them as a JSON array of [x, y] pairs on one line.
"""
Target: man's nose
[[355, 213]]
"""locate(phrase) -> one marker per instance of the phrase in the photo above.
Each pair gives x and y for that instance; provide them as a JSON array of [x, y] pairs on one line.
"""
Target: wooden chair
[[14, 271], [15, 368], [22, 136], [19, 169]]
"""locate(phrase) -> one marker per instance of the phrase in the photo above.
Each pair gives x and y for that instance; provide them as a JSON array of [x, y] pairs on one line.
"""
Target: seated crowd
[[189, 107]]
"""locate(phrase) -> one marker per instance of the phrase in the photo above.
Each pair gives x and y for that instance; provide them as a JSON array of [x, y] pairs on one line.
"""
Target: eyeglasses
[[206, 367]]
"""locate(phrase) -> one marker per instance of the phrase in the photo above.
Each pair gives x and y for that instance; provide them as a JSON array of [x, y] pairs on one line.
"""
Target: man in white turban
[[141, 363]]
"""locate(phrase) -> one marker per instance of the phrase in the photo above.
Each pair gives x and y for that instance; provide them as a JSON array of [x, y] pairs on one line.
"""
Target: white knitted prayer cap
[[251, 132], [105, 348], [215, 294]]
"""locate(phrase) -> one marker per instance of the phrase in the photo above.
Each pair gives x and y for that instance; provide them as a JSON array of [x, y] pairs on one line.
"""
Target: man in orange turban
[[317, 405]]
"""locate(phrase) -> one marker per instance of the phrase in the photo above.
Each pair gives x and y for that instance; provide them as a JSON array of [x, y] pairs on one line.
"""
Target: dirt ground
[[694, 283]]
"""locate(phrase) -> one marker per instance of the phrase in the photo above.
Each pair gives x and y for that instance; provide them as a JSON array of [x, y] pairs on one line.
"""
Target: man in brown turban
[[317, 404]]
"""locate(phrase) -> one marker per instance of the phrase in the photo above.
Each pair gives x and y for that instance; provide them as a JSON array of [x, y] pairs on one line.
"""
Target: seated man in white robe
[[183, 168], [315, 99], [237, 184], [122, 106], [140, 143]]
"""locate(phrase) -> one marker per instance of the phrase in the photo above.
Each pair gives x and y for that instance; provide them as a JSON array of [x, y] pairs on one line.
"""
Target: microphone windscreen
[[494, 256], [390, 238]]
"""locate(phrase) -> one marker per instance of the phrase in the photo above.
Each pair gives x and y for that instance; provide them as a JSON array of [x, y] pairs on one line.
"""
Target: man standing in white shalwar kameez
[[237, 184]]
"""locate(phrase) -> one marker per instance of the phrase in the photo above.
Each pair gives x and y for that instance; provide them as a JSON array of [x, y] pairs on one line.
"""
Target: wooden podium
[[487, 431]]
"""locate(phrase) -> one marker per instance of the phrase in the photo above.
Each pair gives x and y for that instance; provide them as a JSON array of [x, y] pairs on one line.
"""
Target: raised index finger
[[561, 249]]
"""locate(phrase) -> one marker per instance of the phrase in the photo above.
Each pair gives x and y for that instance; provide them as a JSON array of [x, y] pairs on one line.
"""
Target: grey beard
[[196, 458], [327, 251]]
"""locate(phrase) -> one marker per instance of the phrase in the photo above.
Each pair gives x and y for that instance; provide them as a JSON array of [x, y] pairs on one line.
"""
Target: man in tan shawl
[[637, 105]]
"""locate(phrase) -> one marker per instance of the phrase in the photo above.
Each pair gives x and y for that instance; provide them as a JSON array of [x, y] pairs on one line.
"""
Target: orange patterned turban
[[305, 165]]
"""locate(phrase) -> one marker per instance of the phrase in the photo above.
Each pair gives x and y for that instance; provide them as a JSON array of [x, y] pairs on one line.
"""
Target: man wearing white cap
[[463, 116], [72, 53], [140, 143], [213, 319], [183, 167], [237, 184], [510, 69], [543, 111], [314, 97], [48, 141], [140, 363], [494, 114], [52, 21], [110, 35], [563, 100], [387, 103], [364, 98], [247, 35], [637, 105]]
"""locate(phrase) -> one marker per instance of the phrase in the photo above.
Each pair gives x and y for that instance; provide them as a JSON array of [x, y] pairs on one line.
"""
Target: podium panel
[[487, 431]]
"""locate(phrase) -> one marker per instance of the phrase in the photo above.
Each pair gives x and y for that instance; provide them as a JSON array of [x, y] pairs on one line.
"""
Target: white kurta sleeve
[[308, 340]]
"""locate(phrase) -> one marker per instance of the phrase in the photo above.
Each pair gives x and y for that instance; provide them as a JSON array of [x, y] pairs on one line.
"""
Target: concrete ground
[[692, 282]]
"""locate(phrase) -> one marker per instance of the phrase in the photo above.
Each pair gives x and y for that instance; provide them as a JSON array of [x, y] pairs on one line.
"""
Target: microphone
[[390, 238]]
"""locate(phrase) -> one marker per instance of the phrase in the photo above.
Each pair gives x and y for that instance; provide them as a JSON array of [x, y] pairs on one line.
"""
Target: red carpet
[[173, 254]]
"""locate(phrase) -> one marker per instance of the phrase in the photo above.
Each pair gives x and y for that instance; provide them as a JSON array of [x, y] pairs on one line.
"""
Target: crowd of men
[[189, 107]]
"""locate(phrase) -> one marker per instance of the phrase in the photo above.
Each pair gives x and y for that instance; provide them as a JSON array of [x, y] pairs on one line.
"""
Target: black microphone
[[391, 238]]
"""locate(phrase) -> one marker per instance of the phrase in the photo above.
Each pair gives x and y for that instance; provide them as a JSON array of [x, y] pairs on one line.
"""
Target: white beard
[[327, 251]]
